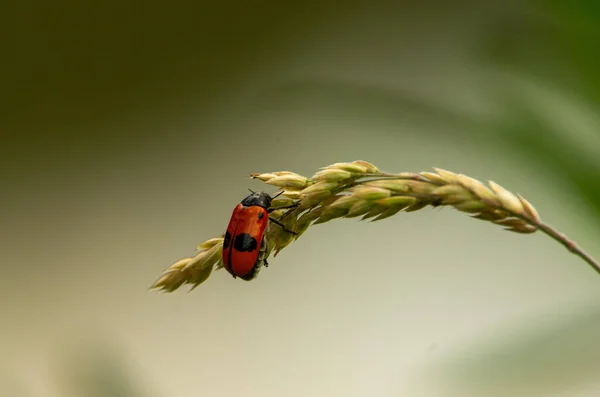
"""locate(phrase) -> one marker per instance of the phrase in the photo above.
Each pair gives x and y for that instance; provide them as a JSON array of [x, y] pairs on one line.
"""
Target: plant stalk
[[569, 244]]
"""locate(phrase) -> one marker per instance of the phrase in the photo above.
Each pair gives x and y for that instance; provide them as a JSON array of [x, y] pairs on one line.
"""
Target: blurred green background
[[128, 133]]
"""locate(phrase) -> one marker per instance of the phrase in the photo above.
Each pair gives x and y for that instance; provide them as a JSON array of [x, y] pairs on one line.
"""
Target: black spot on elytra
[[261, 215], [227, 240], [245, 243]]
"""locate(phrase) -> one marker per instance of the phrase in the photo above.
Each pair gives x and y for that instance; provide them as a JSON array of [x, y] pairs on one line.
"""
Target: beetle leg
[[285, 229], [262, 256]]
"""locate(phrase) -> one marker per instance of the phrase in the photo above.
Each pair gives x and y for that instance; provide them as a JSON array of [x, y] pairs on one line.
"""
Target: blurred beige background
[[129, 133]]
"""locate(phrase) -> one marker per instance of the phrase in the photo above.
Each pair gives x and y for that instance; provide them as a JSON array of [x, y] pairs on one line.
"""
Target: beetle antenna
[[252, 191], [278, 194]]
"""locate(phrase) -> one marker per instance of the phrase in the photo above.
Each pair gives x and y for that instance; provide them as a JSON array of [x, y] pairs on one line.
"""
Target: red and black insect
[[245, 244]]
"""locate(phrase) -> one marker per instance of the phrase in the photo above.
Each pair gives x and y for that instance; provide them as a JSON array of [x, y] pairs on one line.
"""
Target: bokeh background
[[128, 133]]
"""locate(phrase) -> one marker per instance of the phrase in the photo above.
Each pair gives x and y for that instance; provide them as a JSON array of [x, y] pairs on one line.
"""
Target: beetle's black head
[[258, 198]]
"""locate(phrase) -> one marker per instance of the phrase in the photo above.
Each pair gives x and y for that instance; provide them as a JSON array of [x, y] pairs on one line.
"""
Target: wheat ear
[[359, 189]]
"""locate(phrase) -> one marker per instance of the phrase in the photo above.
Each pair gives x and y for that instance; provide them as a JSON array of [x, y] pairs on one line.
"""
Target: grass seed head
[[446, 176], [360, 207], [470, 206], [490, 215], [452, 194], [374, 210], [369, 192], [387, 213], [508, 200], [479, 190], [263, 177], [350, 167], [400, 202], [343, 201], [321, 186], [394, 185], [289, 181], [330, 213], [371, 169], [198, 276], [359, 189], [434, 178], [292, 194], [510, 222], [418, 205], [313, 199], [282, 201], [529, 211], [210, 243], [423, 190], [331, 175]]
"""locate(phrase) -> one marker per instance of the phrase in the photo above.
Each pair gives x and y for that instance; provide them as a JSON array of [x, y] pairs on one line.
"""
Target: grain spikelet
[[360, 189]]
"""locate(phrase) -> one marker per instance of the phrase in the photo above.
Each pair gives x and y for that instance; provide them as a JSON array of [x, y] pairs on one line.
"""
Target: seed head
[[359, 189], [369, 192], [331, 175]]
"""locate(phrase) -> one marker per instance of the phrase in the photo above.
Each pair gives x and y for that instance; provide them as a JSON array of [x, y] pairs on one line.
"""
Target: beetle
[[245, 244]]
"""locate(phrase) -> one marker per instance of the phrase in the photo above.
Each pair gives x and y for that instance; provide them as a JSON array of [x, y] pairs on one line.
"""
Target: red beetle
[[245, 244]]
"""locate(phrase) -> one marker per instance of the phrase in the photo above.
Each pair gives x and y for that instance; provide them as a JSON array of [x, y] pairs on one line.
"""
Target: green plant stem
[[569, 244]]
